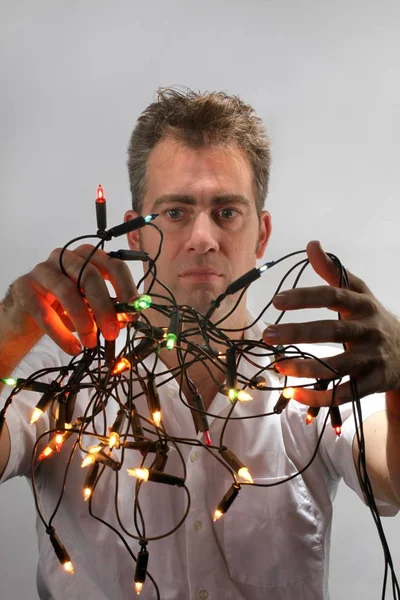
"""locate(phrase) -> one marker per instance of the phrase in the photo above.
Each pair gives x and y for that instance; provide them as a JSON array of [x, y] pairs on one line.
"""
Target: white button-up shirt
[[272, 543]]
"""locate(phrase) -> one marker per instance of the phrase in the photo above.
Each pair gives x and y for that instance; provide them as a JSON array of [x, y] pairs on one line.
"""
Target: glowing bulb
[[59, 438], [288, 393], [87, 492], [232, 394], [68, 566], [113, 440], [138, 587], [244, 474], [45, 453], [309, 419], [9, 381], [37, 413], [142, 302], [139, 473], [95, 449], [100, 195], [338, 431], [88, 460], [207, 438], [122, 365], [157, 418], [170, 341], [217, 515], [243, 396]]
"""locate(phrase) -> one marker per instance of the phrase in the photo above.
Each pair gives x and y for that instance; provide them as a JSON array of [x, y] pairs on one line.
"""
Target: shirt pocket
[[270, 534]]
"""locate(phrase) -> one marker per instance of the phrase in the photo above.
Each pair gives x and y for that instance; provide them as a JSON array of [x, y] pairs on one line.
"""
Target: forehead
[[174, 168]]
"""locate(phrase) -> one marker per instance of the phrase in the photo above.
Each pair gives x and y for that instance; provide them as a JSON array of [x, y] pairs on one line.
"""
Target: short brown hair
[[199, 119]]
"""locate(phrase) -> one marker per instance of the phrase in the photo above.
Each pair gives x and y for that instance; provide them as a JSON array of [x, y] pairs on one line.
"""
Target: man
[[201, 161]]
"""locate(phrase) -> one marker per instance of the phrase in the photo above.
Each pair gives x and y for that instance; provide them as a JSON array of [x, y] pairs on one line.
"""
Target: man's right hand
[[47, 301]]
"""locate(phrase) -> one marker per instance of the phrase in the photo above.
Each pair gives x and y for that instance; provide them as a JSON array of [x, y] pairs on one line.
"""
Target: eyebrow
[[191, 201]]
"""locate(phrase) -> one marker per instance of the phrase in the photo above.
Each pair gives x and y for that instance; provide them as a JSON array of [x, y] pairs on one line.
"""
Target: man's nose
[[203, 236]]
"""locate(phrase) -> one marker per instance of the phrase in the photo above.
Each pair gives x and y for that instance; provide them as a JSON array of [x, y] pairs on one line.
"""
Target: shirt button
[[197, 525], [193, 457], [202, 595]]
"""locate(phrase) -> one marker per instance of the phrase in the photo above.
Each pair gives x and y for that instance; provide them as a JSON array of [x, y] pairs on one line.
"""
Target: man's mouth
[[200, 274]]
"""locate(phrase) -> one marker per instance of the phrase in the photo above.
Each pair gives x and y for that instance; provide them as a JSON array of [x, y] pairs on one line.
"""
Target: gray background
[[325, 78]]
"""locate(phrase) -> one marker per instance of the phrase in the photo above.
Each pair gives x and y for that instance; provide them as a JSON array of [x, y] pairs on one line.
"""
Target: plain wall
[[325, 78]]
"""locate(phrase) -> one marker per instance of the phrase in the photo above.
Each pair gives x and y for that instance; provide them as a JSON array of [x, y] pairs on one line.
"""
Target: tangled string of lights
[[110, 377]]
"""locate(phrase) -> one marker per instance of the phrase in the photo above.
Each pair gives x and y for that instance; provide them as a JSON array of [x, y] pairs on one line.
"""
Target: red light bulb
[[100, 195]]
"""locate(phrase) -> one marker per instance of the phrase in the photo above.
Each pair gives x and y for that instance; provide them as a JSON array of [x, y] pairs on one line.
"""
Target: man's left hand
[[371, 335]]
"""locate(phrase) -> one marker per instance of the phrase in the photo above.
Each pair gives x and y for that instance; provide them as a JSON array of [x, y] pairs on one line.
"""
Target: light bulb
[[68, 566], [142, 302], [217, 515], [243, 396], [138, 587], [87, 492], [88, 460], [288, 393], [45, 453], [122, 365], [100, 194], [243, 472], [139, 473], [37, 413], [232, 394], [170, 341], [156, 418], [9, 381], [113, 440]]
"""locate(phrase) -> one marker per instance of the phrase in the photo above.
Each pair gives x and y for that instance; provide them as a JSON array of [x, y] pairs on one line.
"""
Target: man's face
[[207, 213]]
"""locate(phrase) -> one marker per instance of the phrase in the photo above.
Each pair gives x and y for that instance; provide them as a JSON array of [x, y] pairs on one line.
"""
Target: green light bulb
[[232, 394], [142, 302], [9, 381], [170, 341]]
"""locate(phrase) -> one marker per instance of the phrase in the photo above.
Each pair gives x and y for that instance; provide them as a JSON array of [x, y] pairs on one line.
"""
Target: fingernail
[[271, 334]]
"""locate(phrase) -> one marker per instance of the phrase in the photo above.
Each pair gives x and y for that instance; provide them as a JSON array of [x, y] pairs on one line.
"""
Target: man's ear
[[264, 233], [132, 236]]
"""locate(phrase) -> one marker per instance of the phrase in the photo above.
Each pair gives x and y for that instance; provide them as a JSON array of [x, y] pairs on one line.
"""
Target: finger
[[324, 266], [45, 277], [332, 367], [38, 307], [114, 270], [339, 331], [63, 314], [96, 292], [365, 385], [346, 302]]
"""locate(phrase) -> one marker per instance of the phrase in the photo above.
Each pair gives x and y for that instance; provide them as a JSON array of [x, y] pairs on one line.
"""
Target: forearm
[[393, 440], [382, 451], [18, 334]]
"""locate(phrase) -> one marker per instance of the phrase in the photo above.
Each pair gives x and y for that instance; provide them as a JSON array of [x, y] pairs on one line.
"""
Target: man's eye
[[227, 213], [173, 213]]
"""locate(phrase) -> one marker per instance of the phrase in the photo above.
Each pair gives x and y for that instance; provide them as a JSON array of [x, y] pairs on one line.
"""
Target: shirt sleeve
[[23, 435]]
